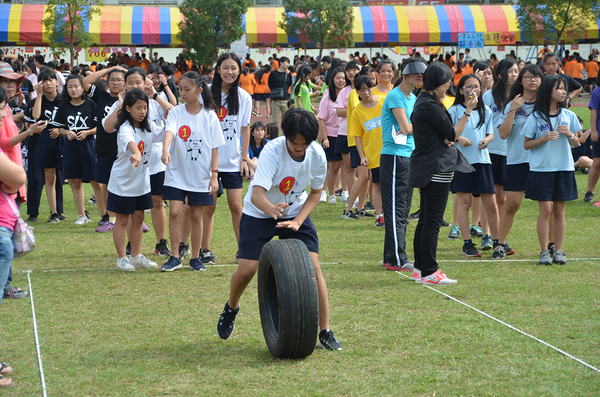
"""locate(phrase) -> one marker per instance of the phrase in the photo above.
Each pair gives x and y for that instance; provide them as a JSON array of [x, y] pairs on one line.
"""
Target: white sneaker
[[437, 278], [81, 220], [124, 265], [141, 262], [323, 198], [345, 197], [355, 206], [332, 199]]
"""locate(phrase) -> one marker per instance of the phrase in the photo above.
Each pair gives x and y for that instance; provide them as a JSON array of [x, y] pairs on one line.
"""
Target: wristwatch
[[573, 136]]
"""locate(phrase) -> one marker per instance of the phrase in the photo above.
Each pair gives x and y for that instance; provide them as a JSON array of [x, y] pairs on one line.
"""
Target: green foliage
[[210, 25], [320, 22], [552, 19], [66, 23]]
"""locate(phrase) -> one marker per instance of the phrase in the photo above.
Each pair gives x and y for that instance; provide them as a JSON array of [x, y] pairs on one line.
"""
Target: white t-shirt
[[125, 180], [230, 154], [194, 137], [285, 179], [156, 114]]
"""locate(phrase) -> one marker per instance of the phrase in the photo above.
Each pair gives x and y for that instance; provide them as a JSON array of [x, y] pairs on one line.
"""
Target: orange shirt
[[592, 69], [275, 64], [93, 67], [249, 63], [449, 63], [262, 87], [469, 69], [144, 65], [458, 75], [176, 76], [247, 82], [568, 68]]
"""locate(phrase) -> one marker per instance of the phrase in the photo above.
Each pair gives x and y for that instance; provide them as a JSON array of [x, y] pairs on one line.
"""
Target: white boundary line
[[37, 339], [508, 325]]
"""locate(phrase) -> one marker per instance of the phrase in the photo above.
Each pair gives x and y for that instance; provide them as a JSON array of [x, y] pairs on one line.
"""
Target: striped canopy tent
[[158, 26]]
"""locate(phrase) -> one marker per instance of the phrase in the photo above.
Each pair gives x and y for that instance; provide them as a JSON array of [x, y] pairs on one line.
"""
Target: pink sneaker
[[597, 204], [437, 278], [107, 227], [145, 228], [416, 276]]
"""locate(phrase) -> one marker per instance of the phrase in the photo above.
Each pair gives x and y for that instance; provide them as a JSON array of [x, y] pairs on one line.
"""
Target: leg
[[594, 174], [196, 220], [543, 223], [175, 211], [464, 203], [358, 186], [78, 196], [323, 296], [500, 197], [159, 218], [332, 176], [234, 199], [135, 234], [208, 219], [35, 185], [560, 223], [119, 233], [507, 216], [50, 176], [98, 193], [454, 210], [434, 197], [491, 213], [240, 279], [58, 187], [475, 211], [268, 102], [186, 225], [376, 198], [348, 178]]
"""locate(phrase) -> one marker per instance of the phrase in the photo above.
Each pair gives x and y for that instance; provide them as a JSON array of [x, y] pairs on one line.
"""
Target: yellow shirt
[[448, 102], [353, 101], [366, 124]]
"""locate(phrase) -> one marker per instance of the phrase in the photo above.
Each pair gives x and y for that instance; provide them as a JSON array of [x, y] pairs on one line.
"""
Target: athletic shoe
[[476, 231], [498, 251], [507, 249], [597, 204], [437, 278], [81, 220], [454, 233], [226, 322], [128, 249], [416, 276], [32, 219], [87, 215], [196, 265], [355, 205], [124, 265], [172, 264], [589, 197], [327, 340], [61, 217], [407, 267], [364, 213], [415, 215], [15, 293], [349, 215], [237, 257], [470, 250], [53, 218], [161, 248], [344, 196], [107, 227], [323, 198], [369, 206], [145, 228], [184, 250], [551, 248], [141, 262], [207, 257], [380, 222], [559, 257], [545, 258], [269, 116], [254, 113], [92, 200], [332, 199], [103, 220], [486, 242], [444, 223], [338, 193]]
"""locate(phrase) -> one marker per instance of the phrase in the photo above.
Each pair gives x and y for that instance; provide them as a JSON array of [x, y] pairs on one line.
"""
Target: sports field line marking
[[508, 325], [37, 339]]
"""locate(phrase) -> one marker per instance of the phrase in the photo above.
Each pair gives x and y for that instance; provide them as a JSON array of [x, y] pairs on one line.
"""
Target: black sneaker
[[207, 257], [32, 218], [92, 201], [61, 217], [237, 257], [470, 250], [551, 248], [53, 218], [338, 193], [349, 215], [103, 220], [327, 340], [444, 223], [226, 322], [87, 215], [415, 215], [196, 265], [589, 197], [128, 249], [369, 206], [161, 248], [184, 250], [498, 251], [364, 213]]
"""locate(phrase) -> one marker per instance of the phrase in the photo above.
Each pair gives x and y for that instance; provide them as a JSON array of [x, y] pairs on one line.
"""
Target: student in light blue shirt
[[550, 133]]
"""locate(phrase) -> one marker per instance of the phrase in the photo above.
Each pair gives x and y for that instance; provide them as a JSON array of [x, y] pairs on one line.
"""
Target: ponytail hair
[[206, 94], [500, 91], [233, 102]]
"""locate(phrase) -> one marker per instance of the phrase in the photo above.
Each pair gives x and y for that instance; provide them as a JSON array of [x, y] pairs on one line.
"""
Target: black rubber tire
[[288, 299]]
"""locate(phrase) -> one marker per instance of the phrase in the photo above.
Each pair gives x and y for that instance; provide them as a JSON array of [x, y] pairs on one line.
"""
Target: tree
[[550, 19], [66, 20], [209, 25], [321, 22]]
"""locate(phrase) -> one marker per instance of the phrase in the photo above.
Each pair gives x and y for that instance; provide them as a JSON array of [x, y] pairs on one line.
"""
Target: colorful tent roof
[[158, 26]]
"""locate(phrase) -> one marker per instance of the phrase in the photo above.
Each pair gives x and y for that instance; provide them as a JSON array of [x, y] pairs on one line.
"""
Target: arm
[[18, 118], [359, 147], [81, 135], [89, 80], [214, 175], [506, 128], [462, 122], [341, 112], [244, 169], [69, 134], [323, 133], [402, 119], [12, 176], [167, 89], [530, 143], [166, 155], [593, 122], [572, 137], [262, 203], [37, 106], [110, 121], [136, 156]]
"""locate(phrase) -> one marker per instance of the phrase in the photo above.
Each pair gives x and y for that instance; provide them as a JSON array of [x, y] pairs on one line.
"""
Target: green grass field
[[106, 333]]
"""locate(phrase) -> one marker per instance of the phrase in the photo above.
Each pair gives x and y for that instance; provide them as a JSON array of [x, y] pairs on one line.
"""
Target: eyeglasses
[[472, 88], [116, 80], [531, 77]]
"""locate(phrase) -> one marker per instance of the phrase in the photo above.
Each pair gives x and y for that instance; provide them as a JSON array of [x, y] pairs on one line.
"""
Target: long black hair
[[65, 94], [544, 98], [130, 99], [437, 74], [257, 126], [331, 87], [261, 72], [335, 63], [500, 91], [206, 95], [459, 98], [517, 88], [136, 70], [155, 69], [233, 102], [349, 66], [302, 73]]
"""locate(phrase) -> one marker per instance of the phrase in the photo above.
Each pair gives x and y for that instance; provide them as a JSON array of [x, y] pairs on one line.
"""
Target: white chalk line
[[507, 325], [37, 339]]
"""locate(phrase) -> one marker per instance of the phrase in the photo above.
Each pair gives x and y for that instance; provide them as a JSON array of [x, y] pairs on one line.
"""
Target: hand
[[563, 129], [149, 88], [325, 143], [167, 108], [136, 159], [214, 184], [448, 143], [163, 80], [465, 142], [39, 90], [38, 127], [244, 169], [122, 97], [364, 161], [479, 74], [71, 135], [472, 103], [551, 136], [118, 68], [81, 135], [517, 103], [277, 210], [594, 136], [483, 144], [54, 133], [288, 225], [166, 157]]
